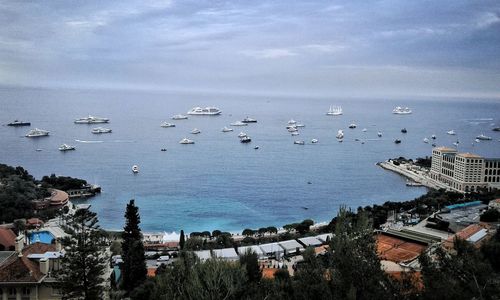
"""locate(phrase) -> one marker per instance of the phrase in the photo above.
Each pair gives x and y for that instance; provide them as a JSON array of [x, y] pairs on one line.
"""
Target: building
[[57, 198], [27, 272], [464, 172]]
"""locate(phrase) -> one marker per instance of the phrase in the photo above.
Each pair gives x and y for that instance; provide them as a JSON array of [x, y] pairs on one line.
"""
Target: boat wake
[[88, 142]]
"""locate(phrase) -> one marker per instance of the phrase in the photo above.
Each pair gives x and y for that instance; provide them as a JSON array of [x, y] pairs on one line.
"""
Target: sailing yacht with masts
[[334, 111]]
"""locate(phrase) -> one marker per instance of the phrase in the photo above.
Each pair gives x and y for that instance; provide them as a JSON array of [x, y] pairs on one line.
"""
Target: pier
[[415, 173]]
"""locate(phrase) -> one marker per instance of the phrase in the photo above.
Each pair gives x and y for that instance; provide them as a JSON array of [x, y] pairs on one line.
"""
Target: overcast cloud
[[317, 48]]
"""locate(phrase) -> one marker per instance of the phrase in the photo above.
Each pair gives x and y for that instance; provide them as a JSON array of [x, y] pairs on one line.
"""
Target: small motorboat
[[163, 149], [483, 137], [352, 125], [426, 140], [477, 140], [433, 145], [314, 141], [295, 133], [195, 131], [226, 129], [496, 129], [135, 169], [300, 125], [299, 142], [248, 120], [364, 130], [242, 135], [292, 122], [379, 134], [451, 132], [186, 141], [99, 130], [245, 139], [66, 147], [38, 150], [397, 141], [404, 130], [179, 117], [19, 123], [293, 129], [340, 134], [340, 140], [256, 147], [433, 136], [167, 125], [238, 123]]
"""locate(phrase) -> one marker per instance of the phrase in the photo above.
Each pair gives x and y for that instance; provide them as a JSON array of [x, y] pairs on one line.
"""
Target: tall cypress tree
[[84, 262], [182, 240], [134, 265]]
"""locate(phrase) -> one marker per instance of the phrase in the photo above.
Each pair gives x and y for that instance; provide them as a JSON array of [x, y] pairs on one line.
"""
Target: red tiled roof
[[7, 238], [23, 269]]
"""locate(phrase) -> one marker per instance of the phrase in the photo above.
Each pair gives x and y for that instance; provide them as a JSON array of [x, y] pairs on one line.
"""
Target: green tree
[[182, 240], [84, 262], [310, 282], [134, 265], [464, 272], [356, 270], [248, 232], [250, 261]]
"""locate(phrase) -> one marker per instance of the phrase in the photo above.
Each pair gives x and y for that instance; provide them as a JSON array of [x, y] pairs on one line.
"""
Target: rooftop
[[446, 149], [7, 239], [469, 155], [397, 250], [24, 269]]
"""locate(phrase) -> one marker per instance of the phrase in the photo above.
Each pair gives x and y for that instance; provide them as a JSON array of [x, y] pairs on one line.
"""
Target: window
[[12, 294]]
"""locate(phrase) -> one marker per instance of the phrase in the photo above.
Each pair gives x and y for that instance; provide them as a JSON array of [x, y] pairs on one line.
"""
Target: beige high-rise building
[[464, 172]]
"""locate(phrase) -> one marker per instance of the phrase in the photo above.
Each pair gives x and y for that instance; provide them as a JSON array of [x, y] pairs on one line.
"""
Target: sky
[[448, 48]]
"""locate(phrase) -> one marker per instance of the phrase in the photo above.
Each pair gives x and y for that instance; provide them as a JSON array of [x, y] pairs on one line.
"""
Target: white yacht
[[334, 111], [364, 130], [299, 142], [433, 136], [99, 130], [426, 140], [167, 125], [135, 169], [314, 141], [66, 147], [186, 141], [292, 122], [238, 123], [245, 139], [295, 133], [207, 111], [292, 129], [91, 120], [401, 111], [249, 120], [483, 137], [242, 135], [195, 131], [451, 132], [226, 129], [379, 134], [300, 125], [37, 133], [179, 117], [352, 125], [340, 134]]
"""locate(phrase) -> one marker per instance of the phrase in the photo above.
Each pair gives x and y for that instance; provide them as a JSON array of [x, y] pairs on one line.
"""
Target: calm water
[[219, 183]]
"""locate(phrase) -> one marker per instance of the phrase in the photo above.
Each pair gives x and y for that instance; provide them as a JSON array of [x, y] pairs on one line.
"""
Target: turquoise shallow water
[[219, 183]]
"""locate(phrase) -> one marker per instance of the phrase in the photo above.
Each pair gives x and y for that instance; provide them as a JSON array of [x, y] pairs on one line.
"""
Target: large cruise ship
[[207, 111], [37, 133], [91, 120]]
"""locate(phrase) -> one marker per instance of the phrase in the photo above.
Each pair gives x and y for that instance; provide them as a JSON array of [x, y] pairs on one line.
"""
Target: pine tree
[[84, 262], [134, 265]]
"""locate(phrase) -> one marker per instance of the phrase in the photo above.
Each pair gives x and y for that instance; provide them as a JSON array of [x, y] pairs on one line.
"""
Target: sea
[[218, 182]]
